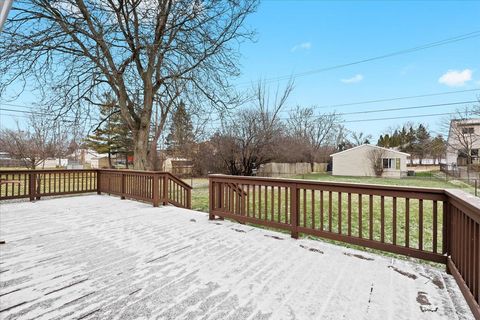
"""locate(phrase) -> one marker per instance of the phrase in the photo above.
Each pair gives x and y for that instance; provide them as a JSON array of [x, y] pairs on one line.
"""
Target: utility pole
[[5, 6]]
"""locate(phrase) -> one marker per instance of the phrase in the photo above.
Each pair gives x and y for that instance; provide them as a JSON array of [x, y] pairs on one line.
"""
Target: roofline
[[370, 145]]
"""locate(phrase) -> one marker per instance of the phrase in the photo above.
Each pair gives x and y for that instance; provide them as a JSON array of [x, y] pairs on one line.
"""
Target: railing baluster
[[349, 213], [254, 202], [330, 211], [382, 219], [313, 208], [339, 213], [394, 220], [407, 222], [420, 224], [434, 226], [260, 202], [248, 200], [286, 205], [304, 207], [370, 216], [265, 216], [279, 202], [272, 206], [360, 219], [321, 210]]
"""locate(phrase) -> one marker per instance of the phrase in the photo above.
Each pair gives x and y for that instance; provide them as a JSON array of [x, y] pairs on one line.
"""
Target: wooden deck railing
[[431, 224], [149, 186], [463, 245]]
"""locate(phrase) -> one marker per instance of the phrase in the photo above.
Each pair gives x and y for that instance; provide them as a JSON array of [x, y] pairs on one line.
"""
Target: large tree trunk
[[153, 156], [140, 149]]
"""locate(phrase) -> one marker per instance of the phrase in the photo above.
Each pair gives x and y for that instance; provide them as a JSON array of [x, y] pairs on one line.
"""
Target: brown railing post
[[189, 199], [31, 186], [447, 231], [98, 182], [221, 204], [211, 199], [122, 196], [165, 190], [156, 190], [294, 206]]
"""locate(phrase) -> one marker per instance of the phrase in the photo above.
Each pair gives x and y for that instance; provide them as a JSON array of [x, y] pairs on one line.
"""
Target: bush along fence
[[431, 224], [148, 186]]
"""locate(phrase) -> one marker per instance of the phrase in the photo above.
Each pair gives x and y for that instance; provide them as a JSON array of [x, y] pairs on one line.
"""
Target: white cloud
[[356, 78], [301, 46], [456, 78]]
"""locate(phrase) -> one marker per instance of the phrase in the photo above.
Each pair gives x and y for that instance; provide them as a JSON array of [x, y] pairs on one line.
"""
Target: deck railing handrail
[[427, 223], [356, 185], [151, 186]]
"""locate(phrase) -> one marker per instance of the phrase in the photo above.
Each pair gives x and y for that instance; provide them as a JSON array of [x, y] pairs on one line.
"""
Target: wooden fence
[[149, 186], [431, 224]]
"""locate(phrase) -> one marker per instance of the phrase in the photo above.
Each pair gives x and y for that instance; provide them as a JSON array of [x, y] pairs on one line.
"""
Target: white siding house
[[463, 138], [358, 162]]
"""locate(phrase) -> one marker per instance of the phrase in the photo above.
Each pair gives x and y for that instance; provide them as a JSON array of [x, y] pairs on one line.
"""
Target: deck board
[[97, 257]]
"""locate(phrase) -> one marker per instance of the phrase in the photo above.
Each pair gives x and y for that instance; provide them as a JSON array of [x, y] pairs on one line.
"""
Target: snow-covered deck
[[97, 257]]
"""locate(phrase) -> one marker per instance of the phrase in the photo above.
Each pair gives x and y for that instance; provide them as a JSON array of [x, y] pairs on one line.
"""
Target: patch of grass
[[416, 181]]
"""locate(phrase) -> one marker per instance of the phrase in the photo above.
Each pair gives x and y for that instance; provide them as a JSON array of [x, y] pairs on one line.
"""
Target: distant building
[[463, 142], [178, 166], [53, 163], [100, 162], [358, 162]]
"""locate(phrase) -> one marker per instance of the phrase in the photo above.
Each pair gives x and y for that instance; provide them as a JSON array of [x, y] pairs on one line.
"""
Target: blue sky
[[297, 36]]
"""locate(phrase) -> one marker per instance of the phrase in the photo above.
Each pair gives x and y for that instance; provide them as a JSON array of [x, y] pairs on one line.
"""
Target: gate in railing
[[149, 186], [430, 224]]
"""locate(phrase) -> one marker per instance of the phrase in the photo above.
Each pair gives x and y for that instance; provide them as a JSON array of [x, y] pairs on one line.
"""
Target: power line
[[31, 112], [407, 108], [402, 117], [392, 99], [23, 115], [321, 106], [461, 37], [385, 109]]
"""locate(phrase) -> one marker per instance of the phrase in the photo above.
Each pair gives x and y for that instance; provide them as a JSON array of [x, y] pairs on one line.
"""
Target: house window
[[387, 163], [467, 130], [391, 163]]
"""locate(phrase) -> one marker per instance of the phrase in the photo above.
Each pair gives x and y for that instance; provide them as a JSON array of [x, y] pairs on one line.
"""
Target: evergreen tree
[[112, 136], [181, 138], [438, 148]]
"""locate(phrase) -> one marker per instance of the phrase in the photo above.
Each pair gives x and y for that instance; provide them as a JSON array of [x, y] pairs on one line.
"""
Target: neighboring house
[[463, 142], [53, 163], [180, 166], [100, 162], [358, 161], [426, 161]]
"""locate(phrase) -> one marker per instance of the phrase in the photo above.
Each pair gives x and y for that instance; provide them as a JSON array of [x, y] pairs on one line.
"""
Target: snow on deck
[[97, 257]]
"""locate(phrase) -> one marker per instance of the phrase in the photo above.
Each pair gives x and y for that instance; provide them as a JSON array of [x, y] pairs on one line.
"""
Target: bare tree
[[375, 157], [41, 139], [359, 138], [249, 138], [313, 130], [143, 51]]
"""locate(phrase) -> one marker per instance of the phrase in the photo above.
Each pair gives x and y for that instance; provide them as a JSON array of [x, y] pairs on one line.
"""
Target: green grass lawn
[[200, 185]]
